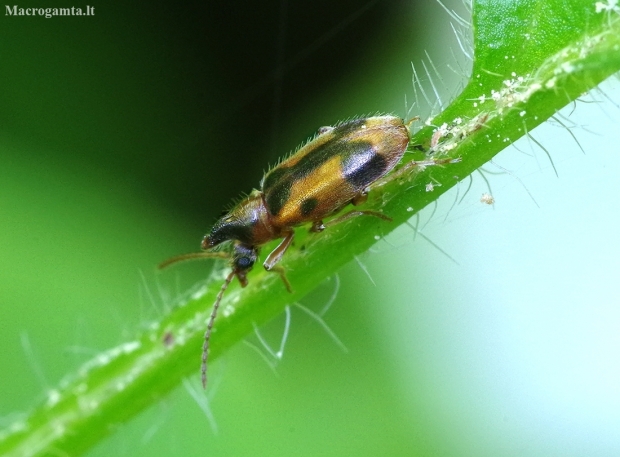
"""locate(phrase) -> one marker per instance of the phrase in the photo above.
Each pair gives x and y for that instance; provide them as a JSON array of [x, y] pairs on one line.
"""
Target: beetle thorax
[[248, 222]]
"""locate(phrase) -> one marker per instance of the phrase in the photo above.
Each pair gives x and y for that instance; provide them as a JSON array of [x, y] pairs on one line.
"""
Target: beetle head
[[243, 259]]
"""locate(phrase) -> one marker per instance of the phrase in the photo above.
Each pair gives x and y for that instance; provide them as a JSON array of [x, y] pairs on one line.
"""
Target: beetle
[[329, 172]]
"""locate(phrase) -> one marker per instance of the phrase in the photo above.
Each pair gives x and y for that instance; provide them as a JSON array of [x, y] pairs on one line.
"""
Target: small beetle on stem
[[334, 169]]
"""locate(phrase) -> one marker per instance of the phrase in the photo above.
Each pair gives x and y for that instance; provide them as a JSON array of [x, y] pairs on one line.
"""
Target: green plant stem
[[524, 71]]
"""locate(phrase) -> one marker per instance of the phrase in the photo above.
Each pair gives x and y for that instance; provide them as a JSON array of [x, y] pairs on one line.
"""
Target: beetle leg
[[354, 213], [413, 164], [360, 198], [276, 255], [280, 270], [317, 226], [423, 164], [279, 251]]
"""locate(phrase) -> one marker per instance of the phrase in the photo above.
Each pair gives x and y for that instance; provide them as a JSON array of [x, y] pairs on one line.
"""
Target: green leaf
[[531, 58]]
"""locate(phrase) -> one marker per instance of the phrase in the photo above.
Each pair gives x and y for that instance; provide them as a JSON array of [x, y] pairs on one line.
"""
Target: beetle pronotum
[[334, 169]]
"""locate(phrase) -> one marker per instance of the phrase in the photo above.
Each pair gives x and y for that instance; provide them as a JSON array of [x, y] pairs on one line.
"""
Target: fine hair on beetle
[[334, 169]]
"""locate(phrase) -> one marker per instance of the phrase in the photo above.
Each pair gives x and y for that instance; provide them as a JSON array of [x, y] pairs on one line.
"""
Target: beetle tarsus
[[360, 198], [281, 271], [317, 226]]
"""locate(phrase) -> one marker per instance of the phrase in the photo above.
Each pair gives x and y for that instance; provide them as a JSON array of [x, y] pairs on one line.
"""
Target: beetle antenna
[[205, 345], [192, 256]]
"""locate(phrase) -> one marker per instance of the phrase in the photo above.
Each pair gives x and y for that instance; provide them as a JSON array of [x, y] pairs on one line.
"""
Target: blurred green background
[[123, 135]]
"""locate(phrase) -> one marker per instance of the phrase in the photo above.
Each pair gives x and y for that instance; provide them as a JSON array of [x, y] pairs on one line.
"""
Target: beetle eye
[[244, 263]]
